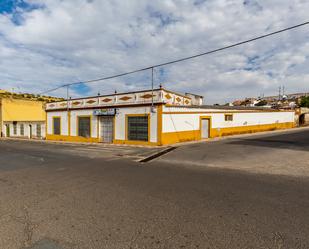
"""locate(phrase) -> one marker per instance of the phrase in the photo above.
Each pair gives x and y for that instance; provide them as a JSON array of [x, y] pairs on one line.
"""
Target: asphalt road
[[54, 197]]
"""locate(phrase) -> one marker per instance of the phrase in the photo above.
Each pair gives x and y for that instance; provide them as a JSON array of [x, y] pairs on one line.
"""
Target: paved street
[[245, 192]]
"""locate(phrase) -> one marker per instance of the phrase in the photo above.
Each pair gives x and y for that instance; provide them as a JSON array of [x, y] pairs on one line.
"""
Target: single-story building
[[22, 118], [154, 117]]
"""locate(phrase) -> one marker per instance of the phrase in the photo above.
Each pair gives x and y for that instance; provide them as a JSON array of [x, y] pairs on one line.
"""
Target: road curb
[[157, 155]]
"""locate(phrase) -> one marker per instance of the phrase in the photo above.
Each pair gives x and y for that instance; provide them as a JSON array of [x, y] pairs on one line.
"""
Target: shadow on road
[[293, 141]]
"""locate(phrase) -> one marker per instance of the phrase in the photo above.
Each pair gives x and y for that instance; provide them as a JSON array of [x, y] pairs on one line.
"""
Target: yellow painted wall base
[[251, 129], [72, 139], [194, 135], [182, 136], [134, 142]]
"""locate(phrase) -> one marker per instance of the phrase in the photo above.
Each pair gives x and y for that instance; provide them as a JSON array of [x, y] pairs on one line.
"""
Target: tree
[[304, 102]]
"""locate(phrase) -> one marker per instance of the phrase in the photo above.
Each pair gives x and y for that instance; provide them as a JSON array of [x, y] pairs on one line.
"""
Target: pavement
[[205, 195], [284, 152]]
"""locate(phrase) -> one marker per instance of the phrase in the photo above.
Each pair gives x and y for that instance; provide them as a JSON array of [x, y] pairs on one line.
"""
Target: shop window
[[22, 129], [38, 130], [138, 128], [56, 126], [84, 126], [228, 117]]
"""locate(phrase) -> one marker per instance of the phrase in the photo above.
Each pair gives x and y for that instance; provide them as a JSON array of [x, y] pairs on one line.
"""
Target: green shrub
[[304, 102]]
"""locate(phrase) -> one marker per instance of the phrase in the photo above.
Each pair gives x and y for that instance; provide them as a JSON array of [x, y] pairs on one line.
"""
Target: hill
[[28, 96]]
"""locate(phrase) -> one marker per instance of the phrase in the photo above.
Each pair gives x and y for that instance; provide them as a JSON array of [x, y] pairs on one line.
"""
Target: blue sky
[[46, 42], [15, 8]]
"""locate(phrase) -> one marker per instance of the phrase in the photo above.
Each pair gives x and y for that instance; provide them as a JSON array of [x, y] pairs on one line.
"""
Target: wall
[[63, 123], [74, 122], [183, 124], [71, 119], [119, 125], [26, 129], [22, 110]]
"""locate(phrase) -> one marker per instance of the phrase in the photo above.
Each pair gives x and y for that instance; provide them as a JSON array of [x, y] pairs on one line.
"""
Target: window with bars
[[38, 130], [22, 129], [138, 128], [56, 126], [84, 126]]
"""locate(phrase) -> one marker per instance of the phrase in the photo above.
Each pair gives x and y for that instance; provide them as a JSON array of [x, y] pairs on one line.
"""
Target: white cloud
[[74, 40]]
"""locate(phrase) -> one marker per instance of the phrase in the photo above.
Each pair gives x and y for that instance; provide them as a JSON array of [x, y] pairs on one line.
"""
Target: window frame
[[22, 129], [53, 125], [39, 134], [127, 127], [15, 129], [90, 125], [228, 115]]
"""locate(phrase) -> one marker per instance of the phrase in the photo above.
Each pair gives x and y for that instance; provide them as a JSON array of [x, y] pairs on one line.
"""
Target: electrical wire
[[178, 60]]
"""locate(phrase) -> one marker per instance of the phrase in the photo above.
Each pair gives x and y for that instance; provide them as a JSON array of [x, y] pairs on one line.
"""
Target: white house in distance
[[154, 117]]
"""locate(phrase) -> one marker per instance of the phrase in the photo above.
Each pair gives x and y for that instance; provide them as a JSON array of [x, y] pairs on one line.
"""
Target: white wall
[[120, 122], [73, 120], [180, 122], [186, 122], [94, 122], [26, 129], [64, 122], [247, 119]]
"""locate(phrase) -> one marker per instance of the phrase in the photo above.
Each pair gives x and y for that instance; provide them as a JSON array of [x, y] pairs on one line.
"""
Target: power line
[[179, 60]]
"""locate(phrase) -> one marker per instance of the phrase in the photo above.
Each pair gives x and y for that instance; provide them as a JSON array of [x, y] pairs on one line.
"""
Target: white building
[[155, 117]]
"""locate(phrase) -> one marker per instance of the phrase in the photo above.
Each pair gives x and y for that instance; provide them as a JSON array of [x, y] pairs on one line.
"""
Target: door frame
[[30, 131], [7, 130], [101, 128], [209, 126]]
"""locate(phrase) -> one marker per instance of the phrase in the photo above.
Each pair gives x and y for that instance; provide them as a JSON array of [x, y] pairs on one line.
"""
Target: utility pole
[[68, 98], [152, 83], [68, 112]]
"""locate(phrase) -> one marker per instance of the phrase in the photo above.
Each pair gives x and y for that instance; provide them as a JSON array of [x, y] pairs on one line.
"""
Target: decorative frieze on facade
[[134, 98]]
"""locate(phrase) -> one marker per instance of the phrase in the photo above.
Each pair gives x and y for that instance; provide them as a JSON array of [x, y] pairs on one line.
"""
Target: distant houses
[[287, 101]]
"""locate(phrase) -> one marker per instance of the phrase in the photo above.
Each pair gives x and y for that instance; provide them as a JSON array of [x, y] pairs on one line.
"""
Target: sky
[[46, 43]]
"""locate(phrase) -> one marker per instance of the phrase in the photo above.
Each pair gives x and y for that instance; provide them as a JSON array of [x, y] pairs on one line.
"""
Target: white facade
[[24, 129], [160, 118], [132, 98], [119, 122], [177, 119]]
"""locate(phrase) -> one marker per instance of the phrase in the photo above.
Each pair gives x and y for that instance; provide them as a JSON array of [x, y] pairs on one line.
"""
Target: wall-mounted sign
[[105, 112]]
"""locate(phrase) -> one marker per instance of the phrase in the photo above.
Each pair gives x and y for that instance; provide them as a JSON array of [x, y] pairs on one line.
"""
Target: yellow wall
[[72, 138], [183, 136], [22, 110]]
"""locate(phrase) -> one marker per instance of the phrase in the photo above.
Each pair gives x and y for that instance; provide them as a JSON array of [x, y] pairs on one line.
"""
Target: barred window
[[38, 130], [138, 128], [84, 126], [56, 126], [22, 129]]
